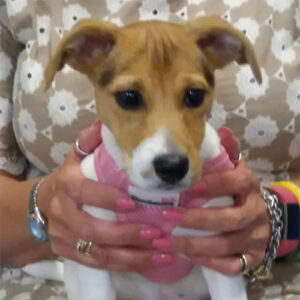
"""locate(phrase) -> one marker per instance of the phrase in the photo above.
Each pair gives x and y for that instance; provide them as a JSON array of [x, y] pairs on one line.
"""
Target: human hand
[[244, 228], [115, 246]]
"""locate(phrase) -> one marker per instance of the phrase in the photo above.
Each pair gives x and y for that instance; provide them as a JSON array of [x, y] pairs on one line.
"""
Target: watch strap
[[36, 219]]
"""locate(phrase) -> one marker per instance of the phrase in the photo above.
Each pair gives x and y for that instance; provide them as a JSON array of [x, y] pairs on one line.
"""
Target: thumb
[[230, 143], [90, 137]]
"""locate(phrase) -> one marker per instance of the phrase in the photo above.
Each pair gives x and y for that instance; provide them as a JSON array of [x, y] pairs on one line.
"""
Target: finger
[[229, 142], [101, 195], [112, 233], [84, 226], [107, 257], [216, 246], [85, 191], [226, 244], [226, 265], [134, 259], [218, 219], [213, 219], [238, 181], [90, 137], [58, 230], [112, 258]]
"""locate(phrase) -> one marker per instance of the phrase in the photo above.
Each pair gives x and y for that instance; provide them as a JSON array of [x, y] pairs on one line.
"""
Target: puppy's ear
[[221, 43], [84, 48]]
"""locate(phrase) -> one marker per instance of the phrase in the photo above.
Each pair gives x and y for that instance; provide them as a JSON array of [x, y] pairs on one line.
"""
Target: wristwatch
[[37, 221]]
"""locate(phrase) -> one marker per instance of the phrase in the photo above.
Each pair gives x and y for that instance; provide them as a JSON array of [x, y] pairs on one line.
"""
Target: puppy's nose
[[171, 168]]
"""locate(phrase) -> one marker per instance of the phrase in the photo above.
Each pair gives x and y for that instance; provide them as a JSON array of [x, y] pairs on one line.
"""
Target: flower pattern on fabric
[[5, 112], [234, 3], [154, 10], [59, 152], [294, 148], [15, 7], [249, 27], [5, 66], [36, 162], [115, 5], [218, 115], [72, 14], [31, 75], [248, 86], [293, 96], [279, 5], [261, 132], [282, 46], [43, 30], [27, 126], [63, 108]]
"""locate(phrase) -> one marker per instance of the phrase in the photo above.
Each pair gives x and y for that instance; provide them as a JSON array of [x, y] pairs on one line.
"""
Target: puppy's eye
[[193, 98], [129, 100]]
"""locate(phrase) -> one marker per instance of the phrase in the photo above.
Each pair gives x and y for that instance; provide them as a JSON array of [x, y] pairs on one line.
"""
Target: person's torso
[[266, 117]]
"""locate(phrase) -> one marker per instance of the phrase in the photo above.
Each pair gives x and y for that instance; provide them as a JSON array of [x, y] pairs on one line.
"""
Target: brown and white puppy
[[154, 85]]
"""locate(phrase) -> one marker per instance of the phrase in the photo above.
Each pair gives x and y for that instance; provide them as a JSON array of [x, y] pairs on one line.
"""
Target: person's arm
[[14, 194], [60, 197], [17, 245], [16, 241], [297, 181]]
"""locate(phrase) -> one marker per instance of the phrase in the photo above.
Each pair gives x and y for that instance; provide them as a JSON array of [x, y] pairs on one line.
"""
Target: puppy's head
[[154, 84]]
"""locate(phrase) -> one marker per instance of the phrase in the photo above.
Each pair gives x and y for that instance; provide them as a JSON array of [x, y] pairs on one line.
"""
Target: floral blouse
[[38, 128]]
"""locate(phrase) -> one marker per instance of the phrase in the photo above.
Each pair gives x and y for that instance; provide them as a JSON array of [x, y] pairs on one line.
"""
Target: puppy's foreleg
[[83, 282], [222, 287], [87, 283]]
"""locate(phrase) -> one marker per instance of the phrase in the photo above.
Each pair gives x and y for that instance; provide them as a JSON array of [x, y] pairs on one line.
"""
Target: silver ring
[[84, 247], [78, 151], [245, 266], [240, 157]]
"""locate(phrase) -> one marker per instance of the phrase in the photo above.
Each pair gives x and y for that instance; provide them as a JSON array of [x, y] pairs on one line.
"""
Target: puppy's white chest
[[132, 286]]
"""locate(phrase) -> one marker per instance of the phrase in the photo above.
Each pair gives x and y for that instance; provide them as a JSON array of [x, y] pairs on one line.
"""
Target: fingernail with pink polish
[[224, 132], [200, 187], [126, 203], [163, 243], [173, 215], [97, 123], [150, 233], [162, 258]]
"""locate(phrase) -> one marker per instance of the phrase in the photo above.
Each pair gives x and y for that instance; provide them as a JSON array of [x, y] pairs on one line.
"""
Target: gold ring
[[79, 151], [238, 160], [84, 247]]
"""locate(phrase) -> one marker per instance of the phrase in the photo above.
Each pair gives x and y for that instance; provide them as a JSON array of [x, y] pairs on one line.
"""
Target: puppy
[[154, 84]]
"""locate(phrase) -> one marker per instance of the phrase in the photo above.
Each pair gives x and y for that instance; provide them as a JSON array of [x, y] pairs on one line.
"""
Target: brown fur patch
[[161, 60], [107, 73], [161, 47], [209, 75]]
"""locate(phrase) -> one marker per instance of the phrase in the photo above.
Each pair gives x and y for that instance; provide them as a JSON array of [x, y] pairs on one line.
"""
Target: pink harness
[[149, 207]]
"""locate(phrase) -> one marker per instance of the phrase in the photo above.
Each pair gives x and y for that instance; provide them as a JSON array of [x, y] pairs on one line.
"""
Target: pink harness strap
[[108, 172]]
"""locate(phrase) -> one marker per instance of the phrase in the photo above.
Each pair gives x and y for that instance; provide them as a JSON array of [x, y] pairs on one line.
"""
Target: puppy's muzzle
[[171, 168]]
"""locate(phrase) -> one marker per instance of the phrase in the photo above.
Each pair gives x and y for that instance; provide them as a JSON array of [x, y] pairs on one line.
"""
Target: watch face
[[37, 228]]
